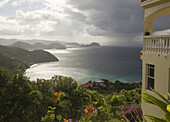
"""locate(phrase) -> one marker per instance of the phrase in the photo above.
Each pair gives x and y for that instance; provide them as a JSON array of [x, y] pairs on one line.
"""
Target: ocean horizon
[[92, 64]]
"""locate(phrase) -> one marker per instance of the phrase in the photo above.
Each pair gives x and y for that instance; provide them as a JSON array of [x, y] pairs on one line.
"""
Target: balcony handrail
[[157, 44], [157, 36]]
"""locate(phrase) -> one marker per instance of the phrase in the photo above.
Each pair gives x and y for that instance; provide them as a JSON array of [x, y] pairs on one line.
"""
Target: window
[[150, 76]]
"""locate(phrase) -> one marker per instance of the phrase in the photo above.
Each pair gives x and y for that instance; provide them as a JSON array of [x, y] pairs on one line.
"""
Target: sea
[[91, 64]]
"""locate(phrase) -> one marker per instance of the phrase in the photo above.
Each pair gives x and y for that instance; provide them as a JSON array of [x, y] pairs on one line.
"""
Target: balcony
[[157, 44], [151, 3]]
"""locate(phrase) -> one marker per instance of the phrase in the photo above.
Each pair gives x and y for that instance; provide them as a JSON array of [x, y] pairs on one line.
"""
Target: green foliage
[[65, 84], [50, 116], [12, 63], [59, 117], [14, 96], [35, 97], [104, 112], [13, 57], [23, 100], [162, 104]]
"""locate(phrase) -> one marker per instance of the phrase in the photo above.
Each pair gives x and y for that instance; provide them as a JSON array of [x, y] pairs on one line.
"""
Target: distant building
[[100, 83], [155, 56], [86, 85]]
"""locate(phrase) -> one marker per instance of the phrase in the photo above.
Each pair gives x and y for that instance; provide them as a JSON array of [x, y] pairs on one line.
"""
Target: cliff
[[22, 56]]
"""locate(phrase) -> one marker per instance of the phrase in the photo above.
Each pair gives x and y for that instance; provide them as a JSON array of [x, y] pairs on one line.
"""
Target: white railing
[[157, 44]]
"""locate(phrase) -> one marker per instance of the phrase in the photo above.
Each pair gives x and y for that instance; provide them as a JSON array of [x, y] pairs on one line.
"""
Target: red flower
[[58, 96], [86, 111]]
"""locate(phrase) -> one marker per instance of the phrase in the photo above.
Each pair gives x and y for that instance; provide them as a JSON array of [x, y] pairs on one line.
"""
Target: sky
[[109, 22]]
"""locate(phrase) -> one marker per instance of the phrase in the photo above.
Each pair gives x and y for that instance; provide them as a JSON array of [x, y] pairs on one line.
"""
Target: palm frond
[[163, 98], [151, 99], [155, 119]]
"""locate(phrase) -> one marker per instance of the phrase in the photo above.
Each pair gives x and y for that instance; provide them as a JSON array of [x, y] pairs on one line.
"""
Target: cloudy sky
[[115, 22]]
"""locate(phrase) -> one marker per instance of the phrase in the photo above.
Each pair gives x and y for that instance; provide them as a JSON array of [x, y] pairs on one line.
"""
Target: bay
[[92, 63]]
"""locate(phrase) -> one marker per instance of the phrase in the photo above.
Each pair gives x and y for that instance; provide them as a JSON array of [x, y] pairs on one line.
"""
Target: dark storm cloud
[[116, 16], [162, 23]]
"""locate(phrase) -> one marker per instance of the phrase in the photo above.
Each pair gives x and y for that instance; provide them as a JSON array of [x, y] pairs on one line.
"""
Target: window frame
[[150, 76]]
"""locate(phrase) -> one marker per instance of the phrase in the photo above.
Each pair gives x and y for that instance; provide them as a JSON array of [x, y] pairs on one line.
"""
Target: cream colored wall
[[153, 12], [161, 9], [162, 84], [161, 61]]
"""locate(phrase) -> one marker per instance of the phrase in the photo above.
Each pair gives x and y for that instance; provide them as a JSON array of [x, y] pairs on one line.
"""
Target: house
[[155, 56], [100, 83], [86, 85]]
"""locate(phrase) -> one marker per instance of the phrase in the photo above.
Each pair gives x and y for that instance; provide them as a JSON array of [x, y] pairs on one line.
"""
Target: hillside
[[37, 45], [24, 56], [91, 45], [55, 46], [22, 45], [12, 63]]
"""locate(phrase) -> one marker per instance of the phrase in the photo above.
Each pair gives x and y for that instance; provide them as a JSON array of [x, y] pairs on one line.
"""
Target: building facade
[[155, 56]]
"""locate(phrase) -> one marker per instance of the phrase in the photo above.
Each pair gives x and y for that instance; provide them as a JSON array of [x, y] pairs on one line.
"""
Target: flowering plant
[[58, 96], [132, 114], [90, 113]]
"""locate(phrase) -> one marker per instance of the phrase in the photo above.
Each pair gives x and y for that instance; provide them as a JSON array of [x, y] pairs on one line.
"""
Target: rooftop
[[100, 81], [86, 85]]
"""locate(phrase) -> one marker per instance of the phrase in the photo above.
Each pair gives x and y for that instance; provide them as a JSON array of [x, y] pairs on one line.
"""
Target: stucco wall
[[162, 81]]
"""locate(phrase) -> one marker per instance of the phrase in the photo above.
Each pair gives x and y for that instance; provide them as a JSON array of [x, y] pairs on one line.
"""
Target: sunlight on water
[[57, 51], [84, 65]]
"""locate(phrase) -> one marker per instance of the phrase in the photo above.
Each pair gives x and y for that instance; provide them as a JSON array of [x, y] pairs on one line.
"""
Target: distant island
[[43, 44], [13, 57], [37, 45], [21, 54], [91, 45], [54, 45]]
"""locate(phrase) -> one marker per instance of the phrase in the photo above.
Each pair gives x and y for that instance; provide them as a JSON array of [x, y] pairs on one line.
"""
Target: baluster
[[160, 45], [168, 45], [146, 45], [163, 45], [156, 45], [150, 45]]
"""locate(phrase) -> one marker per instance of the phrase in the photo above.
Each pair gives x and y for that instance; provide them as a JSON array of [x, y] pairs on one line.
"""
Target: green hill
[[12, 63], [23, 57], [22, 45], [38, 45]]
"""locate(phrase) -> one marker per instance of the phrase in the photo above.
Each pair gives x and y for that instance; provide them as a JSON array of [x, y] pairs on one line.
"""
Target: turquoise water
[[84, 64]]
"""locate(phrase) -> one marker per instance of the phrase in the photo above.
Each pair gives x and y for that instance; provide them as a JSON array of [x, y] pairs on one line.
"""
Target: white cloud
[[3, 2], [49, 21], [163, 32], [116, 21], [9, 26]]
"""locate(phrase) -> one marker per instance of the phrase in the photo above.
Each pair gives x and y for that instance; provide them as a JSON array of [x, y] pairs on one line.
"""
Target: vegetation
[[110, 87], [163, 104], [21, 59], [60, 99], [11, 63]]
